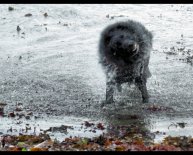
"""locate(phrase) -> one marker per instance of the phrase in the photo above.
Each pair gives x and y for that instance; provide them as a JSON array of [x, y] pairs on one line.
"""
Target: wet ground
[[51, 67]]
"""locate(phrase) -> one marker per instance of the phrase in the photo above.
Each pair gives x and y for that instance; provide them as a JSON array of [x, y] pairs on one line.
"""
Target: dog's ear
[[151, 34]]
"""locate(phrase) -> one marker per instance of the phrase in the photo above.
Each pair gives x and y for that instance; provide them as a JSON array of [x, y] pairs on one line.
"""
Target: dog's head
[[123, 44], [121, 40]]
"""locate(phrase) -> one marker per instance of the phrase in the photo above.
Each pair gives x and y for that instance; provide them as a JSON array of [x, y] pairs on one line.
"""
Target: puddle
[[171, 126], [74, 127]]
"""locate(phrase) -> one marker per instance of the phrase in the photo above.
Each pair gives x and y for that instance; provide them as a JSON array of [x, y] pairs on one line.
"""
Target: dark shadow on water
[[126, 120]]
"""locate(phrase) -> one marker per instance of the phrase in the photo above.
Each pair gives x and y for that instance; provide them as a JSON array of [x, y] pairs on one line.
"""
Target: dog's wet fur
[[124, 52]]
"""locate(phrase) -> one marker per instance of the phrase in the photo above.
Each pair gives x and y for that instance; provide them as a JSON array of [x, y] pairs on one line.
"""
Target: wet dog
[[124, 52]]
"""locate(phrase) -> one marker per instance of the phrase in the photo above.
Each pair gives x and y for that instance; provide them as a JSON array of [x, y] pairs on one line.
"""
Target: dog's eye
[[107, 39]]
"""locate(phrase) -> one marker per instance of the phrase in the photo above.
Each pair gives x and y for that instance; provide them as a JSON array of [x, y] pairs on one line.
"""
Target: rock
[[28, 15], [45, 14], [10, 8], [18, 29], [27, 117], [11, 114]]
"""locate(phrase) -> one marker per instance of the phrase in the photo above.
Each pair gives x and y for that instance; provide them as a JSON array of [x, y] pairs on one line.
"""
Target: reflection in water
[[128, 122]]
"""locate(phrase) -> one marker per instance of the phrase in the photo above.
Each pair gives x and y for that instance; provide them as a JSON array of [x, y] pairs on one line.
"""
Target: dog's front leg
[[119, 88], [110, 87], [141, 84]]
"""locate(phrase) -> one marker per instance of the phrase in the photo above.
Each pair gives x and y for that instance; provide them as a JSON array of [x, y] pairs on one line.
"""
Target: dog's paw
[[145, 100], [119, 88], [107, 102]]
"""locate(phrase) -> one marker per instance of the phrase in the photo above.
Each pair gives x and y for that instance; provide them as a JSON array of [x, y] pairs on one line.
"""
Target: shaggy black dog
[[124, 52]]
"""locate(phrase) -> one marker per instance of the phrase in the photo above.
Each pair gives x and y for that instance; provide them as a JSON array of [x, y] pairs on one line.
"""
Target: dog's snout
[[131, 45]]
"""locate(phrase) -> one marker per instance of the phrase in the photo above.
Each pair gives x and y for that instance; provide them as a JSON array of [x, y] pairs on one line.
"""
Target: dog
[[124, 53]]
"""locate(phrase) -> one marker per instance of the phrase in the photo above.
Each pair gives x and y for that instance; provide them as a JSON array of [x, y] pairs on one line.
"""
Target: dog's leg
[[141, 84], [110, 86], [119, 88]]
